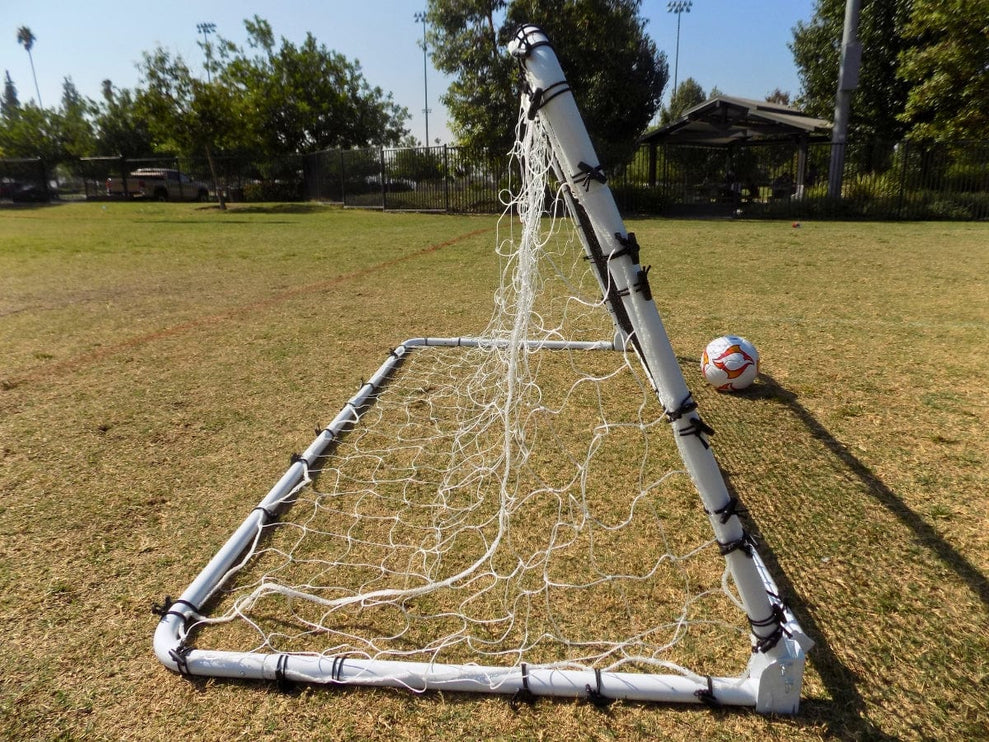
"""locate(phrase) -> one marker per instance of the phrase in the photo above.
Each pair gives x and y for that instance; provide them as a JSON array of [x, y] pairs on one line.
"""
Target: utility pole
[[848, 80]]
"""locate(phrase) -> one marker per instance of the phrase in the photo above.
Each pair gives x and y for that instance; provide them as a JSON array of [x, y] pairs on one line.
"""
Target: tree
[[946, 68], [121, 129], [306, 98], [187, 114], [34, 132], [881, 95], [52, 135], [779, 96], [26, 39], [467, 40], [9, 105], [615, 70], [688, 94], [77, 128]]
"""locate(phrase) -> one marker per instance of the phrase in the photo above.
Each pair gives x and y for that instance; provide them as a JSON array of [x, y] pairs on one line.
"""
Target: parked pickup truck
[[160, 184]]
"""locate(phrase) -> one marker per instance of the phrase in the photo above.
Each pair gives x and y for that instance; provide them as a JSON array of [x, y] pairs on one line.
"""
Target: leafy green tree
[[881, 95], [121, 128], [53, 135], [34, 132], [77, 129], [186, 114], [946, 68], [9, 104], [779, 96], [688, 94], [467, 40], [306, 98], [614, 68]]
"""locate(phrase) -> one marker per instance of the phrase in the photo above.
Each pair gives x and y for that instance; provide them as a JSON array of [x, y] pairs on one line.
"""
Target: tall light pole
[[678, 7], [206, 29], [420, 17]]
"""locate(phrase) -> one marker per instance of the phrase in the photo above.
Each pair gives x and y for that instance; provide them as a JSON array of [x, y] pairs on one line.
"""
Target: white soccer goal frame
[[772, 680]]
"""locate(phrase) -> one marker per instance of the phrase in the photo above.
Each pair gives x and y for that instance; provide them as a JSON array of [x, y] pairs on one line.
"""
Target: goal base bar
[[776, 690], [771, 684]]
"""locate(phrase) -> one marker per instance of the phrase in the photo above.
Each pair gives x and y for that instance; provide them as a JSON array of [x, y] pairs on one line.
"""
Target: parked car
[[160, 184], [19, 192]]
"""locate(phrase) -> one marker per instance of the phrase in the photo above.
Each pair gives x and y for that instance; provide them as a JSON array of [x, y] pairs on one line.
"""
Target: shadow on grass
[[279, 208], [28, 205], [846, 712], [924, 533]]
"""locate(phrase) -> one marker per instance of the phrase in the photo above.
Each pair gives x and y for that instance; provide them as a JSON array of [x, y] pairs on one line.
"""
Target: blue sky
[[740, 46]]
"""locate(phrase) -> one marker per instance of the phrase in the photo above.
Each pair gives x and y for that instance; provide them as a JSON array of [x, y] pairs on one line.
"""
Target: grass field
[[159, 364]]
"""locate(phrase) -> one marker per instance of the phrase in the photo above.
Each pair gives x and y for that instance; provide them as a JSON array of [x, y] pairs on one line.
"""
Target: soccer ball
[[730, 363]]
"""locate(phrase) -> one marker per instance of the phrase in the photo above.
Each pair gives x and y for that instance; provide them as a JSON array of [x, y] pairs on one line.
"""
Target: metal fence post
[[903, 178], [384, 197], [343, 179], [446, 178]]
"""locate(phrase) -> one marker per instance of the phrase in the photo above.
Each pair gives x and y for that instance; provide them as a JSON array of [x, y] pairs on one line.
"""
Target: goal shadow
[[880, 492], [832, 526]]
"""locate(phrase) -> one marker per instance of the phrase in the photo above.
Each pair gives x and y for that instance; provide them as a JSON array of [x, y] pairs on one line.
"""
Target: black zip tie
[[281, 679], [629, 246], [541, 96], [587, 173], [746, 543], [687, 405], [336, 669], [270, 515], [734, 507], [527, 46], [706, 695], [535, 101], [297, 457], [180, 657], [642, 283], [523, 694], [776, 618], [699, 428], [597, 696], [165, 609]]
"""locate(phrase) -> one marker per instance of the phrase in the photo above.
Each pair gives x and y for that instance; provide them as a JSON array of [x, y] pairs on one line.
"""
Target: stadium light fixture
[[679, 7], [206, 29]]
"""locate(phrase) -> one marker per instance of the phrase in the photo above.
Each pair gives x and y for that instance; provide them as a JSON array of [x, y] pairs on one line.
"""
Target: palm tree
[[27, 39]]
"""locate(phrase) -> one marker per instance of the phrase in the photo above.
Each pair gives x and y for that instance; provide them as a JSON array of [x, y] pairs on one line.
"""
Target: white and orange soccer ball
[[730, 363]]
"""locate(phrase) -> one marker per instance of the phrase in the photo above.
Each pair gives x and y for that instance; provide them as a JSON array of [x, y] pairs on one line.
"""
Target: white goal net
[[506, 512]]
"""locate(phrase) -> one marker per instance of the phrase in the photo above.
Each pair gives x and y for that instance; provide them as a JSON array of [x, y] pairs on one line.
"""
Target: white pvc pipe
[[468, 678], [560, 119]]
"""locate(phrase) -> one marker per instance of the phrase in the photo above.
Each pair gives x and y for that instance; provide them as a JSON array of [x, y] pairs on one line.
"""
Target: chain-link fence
[[781, 179]]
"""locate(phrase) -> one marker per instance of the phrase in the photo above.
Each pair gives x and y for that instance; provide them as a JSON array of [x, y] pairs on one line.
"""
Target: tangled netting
[[515, 501]]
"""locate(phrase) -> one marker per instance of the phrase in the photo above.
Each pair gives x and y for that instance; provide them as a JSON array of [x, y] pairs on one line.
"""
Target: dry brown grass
[[159, 364]]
